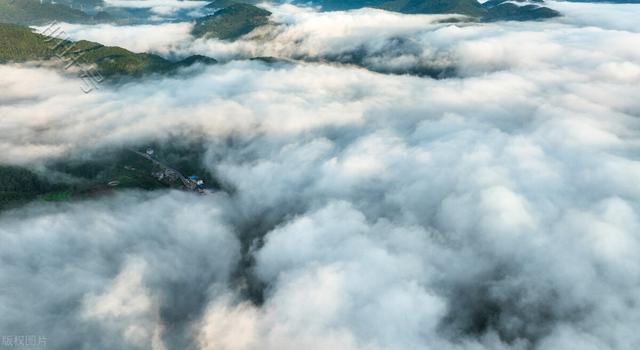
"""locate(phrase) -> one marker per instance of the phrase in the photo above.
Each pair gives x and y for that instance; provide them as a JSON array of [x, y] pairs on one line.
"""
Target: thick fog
[[498, 208]]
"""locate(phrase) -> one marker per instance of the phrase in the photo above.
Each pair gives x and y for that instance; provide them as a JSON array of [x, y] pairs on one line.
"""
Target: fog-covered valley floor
[[387, 181]]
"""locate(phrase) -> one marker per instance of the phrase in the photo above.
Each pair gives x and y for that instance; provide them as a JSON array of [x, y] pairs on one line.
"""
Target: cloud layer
[[158, 7], [494, 210], [156, 38]]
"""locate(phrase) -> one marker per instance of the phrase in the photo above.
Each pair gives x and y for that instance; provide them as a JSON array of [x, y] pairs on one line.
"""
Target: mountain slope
[[231, 22], [32, 12], [508, 10], [21, 44], [339, 5], [100, 173], [493, 10], [463, 7], [220, 4]]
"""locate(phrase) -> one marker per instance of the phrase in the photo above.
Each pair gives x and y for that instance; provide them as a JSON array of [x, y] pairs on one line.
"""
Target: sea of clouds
[[160, 8], [496, 209]]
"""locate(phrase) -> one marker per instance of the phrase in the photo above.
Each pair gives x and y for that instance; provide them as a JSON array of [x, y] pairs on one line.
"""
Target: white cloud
[[129, 308], [601, 15], [497, 209], [156, 38], [160, 7]]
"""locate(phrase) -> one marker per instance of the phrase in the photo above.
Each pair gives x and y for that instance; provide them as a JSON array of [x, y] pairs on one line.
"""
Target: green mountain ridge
[[231, 22], [33, 12], [494, 10], [463, 7], [220, 4], [22, 44], [507, 11]]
